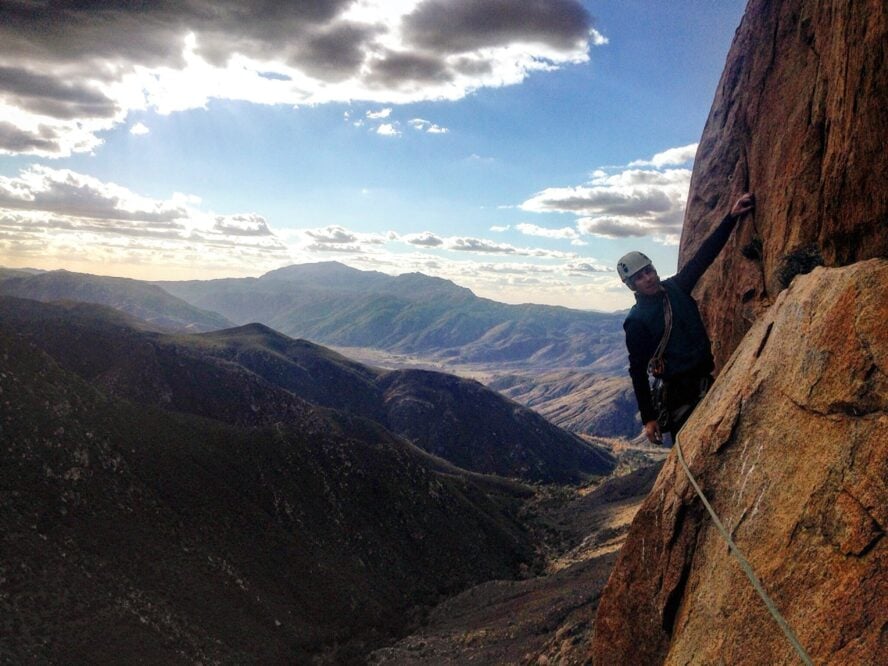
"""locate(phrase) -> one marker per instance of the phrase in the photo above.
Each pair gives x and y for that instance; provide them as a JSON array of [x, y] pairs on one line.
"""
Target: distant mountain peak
[[317, 270]]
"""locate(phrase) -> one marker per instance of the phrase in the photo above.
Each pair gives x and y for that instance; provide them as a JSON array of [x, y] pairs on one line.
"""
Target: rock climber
[[684, 368]]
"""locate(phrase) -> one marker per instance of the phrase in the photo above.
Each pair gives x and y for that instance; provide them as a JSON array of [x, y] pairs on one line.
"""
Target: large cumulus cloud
[[631, 202], [70, 70]]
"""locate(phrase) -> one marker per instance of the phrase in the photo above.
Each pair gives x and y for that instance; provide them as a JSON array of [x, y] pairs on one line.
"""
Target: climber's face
[[647, 282]]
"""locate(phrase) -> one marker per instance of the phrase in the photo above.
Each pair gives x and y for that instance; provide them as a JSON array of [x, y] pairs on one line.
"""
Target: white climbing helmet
[[629, 264]]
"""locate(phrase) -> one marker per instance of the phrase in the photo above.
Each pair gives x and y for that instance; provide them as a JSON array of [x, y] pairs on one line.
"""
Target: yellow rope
[[744, 564]]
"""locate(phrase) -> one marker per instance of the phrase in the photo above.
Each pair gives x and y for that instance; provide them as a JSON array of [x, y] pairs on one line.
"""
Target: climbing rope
[[744, 564]]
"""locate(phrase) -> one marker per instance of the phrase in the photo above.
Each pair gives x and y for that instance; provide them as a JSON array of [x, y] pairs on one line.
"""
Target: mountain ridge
[[411, 313], [135, 297]]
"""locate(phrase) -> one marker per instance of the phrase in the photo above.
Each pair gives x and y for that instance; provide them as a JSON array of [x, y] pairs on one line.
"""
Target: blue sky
[[517, 147]]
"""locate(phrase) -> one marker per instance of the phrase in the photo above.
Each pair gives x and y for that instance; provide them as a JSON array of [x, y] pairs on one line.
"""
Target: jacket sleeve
[[688, 276], [639, 347]]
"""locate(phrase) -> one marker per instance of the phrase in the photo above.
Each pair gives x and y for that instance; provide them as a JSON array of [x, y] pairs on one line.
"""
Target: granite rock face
[[799, 118], [790, 448]]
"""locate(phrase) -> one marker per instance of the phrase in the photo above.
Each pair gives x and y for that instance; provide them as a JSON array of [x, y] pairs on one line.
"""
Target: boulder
[[790, 448], [800, 119]]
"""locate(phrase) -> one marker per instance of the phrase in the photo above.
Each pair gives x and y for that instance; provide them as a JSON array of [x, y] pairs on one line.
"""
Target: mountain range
[[333, 304], [252, 375], [412, 320]]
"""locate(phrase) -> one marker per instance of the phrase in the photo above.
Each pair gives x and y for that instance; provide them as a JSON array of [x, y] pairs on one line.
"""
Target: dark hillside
[[132, 533], [457, 419], [476, 428]]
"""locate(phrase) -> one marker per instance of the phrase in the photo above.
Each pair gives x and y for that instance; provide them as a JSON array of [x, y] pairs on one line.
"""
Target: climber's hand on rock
[[652, 432], [743, 205]]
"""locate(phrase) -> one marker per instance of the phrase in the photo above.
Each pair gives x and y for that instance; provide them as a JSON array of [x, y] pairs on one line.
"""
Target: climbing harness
[[744, 563], [657, 368]]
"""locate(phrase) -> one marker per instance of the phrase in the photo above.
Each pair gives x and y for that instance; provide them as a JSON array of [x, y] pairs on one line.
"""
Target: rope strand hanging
[[744, 563]]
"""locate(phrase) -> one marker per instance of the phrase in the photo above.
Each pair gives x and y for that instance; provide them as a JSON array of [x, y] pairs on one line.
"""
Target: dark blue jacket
[[689, 351]]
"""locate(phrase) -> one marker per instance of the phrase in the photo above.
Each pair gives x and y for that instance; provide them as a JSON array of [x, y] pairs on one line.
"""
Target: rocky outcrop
[[790, 448], [799, 118]]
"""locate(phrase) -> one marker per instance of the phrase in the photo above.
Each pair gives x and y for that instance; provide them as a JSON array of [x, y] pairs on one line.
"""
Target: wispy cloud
[[334, 238], [424, 239], [485, 246], [564, 233], [427, 126], [64, 82], [671, 157]]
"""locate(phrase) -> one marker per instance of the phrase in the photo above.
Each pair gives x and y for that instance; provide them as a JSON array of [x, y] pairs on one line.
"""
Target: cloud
[[565, 233], [634, 202], [58, 213], [613, 226], [69, 193], [139, 129], [585, 267], [475, 158], [339, 239], [242, 225], [500, 228], [460, 26], [64, 81], [424, 239], [335, 238], [377, 115], [427, 126], [484, 246], [388, 129], [479, 245], [597, 38], [671, 157], [332, 235]]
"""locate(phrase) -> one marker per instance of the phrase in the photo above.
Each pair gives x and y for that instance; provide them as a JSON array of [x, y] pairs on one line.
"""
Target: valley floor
[[541, 620]]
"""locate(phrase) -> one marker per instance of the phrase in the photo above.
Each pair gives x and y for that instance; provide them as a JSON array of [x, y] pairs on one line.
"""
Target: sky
[[516, 147]]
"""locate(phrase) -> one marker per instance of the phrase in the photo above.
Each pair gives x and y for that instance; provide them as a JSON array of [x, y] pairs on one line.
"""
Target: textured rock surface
[[800, 118], [790, 448]]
